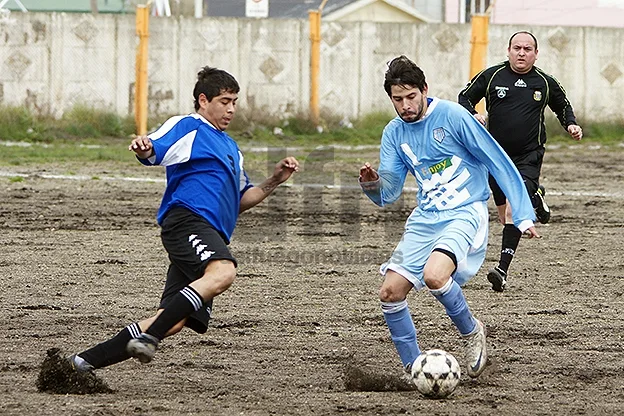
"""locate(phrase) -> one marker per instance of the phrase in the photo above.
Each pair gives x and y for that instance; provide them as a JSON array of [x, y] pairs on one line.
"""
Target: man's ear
[[202, 100]]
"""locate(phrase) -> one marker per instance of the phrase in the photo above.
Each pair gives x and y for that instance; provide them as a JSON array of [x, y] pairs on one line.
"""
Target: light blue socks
[[402, 330], [451, 296]]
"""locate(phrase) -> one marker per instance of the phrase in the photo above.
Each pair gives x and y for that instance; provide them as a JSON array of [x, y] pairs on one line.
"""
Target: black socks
[[180, 307], [112, 351], [511, 239]]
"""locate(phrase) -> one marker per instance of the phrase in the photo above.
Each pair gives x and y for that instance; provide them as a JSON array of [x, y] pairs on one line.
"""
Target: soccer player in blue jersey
[[445, 239], [207, 188]]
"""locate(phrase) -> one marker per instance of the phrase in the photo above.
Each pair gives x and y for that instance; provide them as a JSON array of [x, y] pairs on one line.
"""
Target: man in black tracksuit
[[516, 94]]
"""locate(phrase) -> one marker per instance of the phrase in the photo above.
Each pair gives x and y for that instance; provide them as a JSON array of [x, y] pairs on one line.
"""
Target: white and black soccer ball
[[436, 373]]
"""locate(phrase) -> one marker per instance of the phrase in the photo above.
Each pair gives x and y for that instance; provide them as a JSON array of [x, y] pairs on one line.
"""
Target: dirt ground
[[81, 258]]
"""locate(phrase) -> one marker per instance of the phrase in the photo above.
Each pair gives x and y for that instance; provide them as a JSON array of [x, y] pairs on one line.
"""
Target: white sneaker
[[476, 351], [143, 347]]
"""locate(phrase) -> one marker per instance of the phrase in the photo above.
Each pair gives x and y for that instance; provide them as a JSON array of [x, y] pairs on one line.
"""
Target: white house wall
[[51, 62], [378, 12]]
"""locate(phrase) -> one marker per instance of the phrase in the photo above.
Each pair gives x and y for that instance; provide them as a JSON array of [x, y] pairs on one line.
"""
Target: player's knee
[[434, 280], [225, 279], [217, 278], [388, 294]]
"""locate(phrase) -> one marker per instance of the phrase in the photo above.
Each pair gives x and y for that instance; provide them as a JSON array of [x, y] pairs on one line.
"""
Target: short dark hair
[[402, 71], [523, 31], [213, 82]]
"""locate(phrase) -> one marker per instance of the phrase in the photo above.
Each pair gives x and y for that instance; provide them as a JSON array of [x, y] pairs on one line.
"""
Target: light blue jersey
[[204, 171], [449, 153]]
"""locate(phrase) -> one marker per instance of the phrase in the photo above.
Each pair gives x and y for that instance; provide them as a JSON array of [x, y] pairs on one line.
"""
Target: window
[[471, 7]]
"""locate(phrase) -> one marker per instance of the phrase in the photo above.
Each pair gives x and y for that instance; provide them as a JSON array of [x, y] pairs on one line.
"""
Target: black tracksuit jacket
[[515, 104]]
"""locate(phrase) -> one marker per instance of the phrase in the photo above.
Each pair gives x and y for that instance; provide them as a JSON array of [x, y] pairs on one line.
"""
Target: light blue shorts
[[463, 231]]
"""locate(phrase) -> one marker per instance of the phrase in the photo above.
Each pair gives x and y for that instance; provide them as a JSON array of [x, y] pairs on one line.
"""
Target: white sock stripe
[[444, 289], [192, 297], [134, 330], [393, 307]]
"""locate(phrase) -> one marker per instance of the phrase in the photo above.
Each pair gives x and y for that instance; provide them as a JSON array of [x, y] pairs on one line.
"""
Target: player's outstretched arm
[[142, 146], [283, 170]]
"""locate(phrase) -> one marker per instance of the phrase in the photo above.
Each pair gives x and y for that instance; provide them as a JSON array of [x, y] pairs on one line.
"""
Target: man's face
[[220, 111], [409, 102], [522, 53]]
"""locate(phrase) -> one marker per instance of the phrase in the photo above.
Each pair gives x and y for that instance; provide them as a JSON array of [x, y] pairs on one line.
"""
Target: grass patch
[[301, 131], [85, 135], [604, 133], [62, 151]]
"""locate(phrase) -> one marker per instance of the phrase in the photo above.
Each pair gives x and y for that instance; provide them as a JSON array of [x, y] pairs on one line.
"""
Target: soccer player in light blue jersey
[[207, 188], [445, 239]]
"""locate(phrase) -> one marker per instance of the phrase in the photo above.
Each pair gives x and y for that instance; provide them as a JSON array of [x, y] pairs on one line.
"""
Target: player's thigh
[[410, 255]]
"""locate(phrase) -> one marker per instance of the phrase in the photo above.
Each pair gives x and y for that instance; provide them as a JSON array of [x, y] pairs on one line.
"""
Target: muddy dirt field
[[81, 258]]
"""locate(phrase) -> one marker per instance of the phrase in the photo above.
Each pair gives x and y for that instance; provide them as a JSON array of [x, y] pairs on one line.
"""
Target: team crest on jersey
[[520, 83], [537, 95], [439, 134], [501, 92]]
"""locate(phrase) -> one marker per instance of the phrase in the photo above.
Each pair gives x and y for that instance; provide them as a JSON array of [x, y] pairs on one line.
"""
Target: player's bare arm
[[575, 131], [282, 172], [142, 146], [368, 173]]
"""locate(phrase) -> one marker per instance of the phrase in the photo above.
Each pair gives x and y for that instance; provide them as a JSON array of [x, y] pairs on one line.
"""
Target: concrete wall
[[51, 62]]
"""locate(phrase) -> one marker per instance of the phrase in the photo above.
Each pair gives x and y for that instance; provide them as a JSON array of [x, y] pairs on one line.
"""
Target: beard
[[409, 116]]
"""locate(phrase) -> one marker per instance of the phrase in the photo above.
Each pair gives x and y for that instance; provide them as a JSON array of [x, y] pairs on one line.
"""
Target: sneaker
[[476, 352], [542, 212], [498, 278], [143, 348], [406, 376], [80, 365]]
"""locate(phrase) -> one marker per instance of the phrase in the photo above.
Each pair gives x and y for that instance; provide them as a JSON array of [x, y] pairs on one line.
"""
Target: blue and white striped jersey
[[204, 170], [449, 153]]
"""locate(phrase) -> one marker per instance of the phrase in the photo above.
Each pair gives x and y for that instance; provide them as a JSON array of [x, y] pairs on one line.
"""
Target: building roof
[[298, 9]]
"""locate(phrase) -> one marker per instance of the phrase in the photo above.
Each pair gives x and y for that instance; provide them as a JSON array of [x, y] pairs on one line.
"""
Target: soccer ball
[[436, 373]]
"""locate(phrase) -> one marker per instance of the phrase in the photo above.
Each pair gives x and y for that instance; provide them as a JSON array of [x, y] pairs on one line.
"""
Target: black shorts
[[191, 243], [529, 165]]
